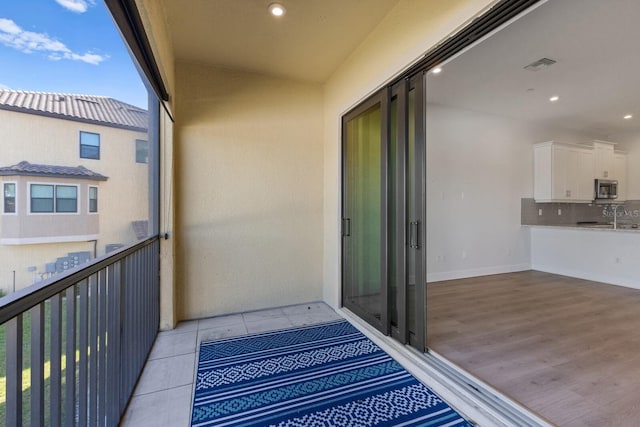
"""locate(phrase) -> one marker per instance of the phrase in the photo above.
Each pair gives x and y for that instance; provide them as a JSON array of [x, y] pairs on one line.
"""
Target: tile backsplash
[[571, 213]]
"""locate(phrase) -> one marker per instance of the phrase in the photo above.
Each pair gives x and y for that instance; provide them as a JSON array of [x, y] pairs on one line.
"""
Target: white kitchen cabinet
[[620, 174], [563, 173], [604, 152]]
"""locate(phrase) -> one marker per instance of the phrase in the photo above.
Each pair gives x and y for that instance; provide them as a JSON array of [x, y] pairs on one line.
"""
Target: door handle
[[414, 234], [346, 227]]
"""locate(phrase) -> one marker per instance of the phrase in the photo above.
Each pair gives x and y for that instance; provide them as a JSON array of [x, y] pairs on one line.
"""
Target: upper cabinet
[[563, 173], [604, 159], [567, 172], [620, 174]]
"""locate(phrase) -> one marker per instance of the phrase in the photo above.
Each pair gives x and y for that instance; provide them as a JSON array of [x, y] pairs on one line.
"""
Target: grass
[[26, 364]]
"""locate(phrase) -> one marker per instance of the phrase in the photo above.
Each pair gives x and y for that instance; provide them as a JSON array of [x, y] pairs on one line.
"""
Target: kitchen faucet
[[615, 215]]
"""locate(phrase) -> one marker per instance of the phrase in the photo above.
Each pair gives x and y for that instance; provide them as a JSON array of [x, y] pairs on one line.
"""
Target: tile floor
[[163, 394]]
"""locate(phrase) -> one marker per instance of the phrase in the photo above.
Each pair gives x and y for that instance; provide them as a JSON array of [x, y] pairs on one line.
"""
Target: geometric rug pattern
[[326, 374]]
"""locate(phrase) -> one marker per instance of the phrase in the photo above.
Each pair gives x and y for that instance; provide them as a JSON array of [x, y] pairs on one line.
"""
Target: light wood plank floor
[[568, 349]]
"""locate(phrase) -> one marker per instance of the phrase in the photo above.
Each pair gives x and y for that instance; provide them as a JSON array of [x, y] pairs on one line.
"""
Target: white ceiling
[[597, 74], [308, 43]]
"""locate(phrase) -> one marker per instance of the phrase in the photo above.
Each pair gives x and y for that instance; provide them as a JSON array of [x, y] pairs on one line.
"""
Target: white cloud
[[3, 86], [28, 42], [77, 6]]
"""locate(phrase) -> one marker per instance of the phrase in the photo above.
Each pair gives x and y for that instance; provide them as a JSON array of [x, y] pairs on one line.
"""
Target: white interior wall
[[601, 255], [479, 166]]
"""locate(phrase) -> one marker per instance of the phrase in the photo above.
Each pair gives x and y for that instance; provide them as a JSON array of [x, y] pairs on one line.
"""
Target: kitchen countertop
[[587, 227]]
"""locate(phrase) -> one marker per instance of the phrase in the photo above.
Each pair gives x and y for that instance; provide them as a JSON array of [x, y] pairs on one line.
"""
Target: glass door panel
[[364, 265]]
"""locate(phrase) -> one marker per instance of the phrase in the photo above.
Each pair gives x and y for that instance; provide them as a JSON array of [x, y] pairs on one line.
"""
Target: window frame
[[146, 142], [15, 198], [82, 132], [89, 211], [55, 198], [58, 198]]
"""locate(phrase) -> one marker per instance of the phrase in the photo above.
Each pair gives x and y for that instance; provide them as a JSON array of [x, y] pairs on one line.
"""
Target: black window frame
[[84, 147]]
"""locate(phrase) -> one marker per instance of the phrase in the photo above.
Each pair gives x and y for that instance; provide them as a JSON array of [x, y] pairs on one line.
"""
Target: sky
[[66, 46]]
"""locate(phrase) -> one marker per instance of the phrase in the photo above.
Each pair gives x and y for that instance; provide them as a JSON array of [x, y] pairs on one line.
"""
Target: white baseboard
[[484, 271], [595, 277]]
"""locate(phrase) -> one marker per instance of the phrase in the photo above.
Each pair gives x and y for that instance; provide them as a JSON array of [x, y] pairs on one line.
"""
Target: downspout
[[95, 248]]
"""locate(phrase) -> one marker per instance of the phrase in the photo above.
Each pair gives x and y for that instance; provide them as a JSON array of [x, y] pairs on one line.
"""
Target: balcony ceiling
[[307, 44]]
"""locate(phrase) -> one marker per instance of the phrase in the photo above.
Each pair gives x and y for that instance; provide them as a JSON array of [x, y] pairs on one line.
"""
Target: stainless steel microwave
[[606, 189]]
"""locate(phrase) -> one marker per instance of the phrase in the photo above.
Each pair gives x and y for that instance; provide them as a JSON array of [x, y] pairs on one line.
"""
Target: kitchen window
[[93, 199], [54, 198], [142, 151], [89, 145], [9, 197]]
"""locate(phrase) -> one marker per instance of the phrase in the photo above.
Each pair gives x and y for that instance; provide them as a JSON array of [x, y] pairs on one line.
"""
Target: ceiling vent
[[540, 64]]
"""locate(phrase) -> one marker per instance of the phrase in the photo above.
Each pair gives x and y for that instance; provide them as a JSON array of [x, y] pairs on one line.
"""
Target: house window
[[66, 198], [41, 198], [142, 151], [10, 197], [54, 198], [93, 199], [89, 145]]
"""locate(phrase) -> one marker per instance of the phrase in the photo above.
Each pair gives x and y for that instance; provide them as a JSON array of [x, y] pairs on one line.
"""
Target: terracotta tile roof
[[85, 108], [28, 169]]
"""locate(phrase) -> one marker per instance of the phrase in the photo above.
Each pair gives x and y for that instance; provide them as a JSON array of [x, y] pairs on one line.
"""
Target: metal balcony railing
[[75, 345]]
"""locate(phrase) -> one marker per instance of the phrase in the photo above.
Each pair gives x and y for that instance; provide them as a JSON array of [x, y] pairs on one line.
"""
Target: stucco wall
[[248, 191], [405, 34]]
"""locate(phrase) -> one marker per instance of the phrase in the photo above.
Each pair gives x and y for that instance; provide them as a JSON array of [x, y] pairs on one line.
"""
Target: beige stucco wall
[[121, 199], [248, 191], [405, 34]]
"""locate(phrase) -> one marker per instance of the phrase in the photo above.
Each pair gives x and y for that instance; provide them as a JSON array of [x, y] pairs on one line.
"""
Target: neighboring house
[[74, 179]]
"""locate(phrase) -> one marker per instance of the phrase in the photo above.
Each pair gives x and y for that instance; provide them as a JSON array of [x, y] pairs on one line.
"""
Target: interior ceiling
[[597, 74], [308, 43]]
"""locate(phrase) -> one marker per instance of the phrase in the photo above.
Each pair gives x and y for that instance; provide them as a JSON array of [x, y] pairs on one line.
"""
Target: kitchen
[[519, 127]]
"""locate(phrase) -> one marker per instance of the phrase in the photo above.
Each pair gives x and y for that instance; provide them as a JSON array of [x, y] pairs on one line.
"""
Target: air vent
[[540, 64]]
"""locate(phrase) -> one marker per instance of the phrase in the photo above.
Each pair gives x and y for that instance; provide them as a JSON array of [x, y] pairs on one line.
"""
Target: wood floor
[[568, 349]]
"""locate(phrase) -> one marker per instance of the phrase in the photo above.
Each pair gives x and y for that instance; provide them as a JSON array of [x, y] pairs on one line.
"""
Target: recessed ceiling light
[[554, 98], [276, 9], [628, 116], [437, 70]]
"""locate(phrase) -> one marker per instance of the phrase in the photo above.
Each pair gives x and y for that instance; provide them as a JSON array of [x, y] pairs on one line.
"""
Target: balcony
[[163, 394]]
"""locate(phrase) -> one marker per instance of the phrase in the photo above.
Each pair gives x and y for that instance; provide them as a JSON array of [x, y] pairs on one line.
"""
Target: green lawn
[[26, 364]]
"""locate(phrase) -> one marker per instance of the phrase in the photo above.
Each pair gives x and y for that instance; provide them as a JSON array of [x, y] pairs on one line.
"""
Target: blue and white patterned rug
[[321, 375]]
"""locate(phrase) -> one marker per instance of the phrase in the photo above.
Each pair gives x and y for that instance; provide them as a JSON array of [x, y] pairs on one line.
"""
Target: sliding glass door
[[383, 211], [364, 218]]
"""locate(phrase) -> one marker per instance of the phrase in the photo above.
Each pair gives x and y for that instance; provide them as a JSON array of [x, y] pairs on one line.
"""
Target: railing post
[[70, 359], [55, 387], [83, 368], [37, 365], [14, 371]]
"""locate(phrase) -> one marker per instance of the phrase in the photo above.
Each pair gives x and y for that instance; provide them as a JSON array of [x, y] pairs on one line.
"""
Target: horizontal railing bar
[[24, 299]]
